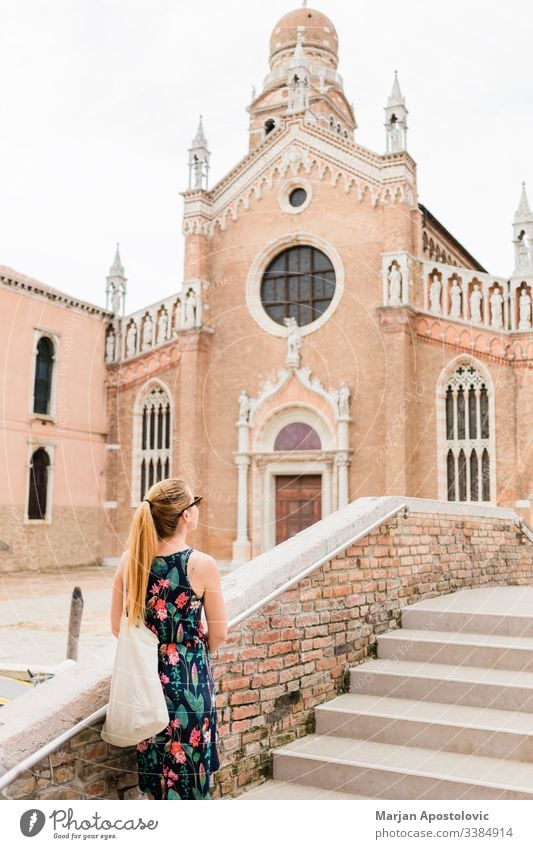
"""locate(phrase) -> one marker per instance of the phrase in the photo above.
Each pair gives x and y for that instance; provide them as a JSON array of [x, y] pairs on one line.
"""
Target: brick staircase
[[444, 712]]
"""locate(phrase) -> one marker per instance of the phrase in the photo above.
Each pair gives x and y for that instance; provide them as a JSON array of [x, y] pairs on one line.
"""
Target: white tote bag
[[137, 706]]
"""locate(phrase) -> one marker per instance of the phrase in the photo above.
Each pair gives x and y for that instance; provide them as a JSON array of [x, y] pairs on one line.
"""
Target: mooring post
[[74, 625]]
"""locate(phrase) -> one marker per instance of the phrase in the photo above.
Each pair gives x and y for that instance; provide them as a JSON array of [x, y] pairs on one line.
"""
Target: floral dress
[[177, 762]]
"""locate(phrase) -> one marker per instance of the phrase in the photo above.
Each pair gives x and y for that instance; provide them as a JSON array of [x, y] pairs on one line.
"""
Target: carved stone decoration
[[343, 402], [177, 316], [435, 293], [524, 309], [475, 304], [496, 308], [110, 345], [191, 309], [396, 276], [294, 342], [244, 407], [131, 339], [456, 299], [147, 332], [162, 327], [294, 157], [395, 285]]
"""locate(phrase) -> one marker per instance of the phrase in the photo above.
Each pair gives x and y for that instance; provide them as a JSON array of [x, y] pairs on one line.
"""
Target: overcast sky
[[100, 101]]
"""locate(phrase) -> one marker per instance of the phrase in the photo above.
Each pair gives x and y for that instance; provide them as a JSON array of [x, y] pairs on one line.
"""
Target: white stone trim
[[110, 505], [136, 435], [259, 265], [286, 190], [297, 411], [440, 416], [54, 336], [113, 446]]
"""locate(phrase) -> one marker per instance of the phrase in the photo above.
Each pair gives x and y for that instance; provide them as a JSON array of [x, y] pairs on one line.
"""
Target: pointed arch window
[[156, 438], [44, 364], [468, 439], [38, 489]]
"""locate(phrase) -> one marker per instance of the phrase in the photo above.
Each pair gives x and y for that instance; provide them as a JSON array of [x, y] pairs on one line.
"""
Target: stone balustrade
[[154, 326], [459, 294]]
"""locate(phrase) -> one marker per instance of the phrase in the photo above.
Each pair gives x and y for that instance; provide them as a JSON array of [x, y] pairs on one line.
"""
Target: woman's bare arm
[[117, 595], [215, 609]]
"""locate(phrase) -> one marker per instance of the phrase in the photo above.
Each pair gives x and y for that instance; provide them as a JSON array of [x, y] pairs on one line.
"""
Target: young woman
[[168, 585]]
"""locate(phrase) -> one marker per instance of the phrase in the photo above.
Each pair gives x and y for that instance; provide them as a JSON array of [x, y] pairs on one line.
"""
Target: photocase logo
[[31, 822]]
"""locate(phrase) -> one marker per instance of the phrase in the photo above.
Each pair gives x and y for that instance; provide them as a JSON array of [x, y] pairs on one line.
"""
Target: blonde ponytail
[[157, 516]]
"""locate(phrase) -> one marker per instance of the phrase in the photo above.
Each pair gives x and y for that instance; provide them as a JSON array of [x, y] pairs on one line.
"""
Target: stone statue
[[525, 310], [177, 316], [131, 339], [191, 303], [475, 304], [244, 406], [455, 295], [496, 304], [162, 326], [147, 332], [395, 285], [434, 293], [293, 342], [344, 397], [110, 347]]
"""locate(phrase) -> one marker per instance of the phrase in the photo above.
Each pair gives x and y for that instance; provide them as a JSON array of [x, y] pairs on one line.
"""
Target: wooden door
[[298, 504]]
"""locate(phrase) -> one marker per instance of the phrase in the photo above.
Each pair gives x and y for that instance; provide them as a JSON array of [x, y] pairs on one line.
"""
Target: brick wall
[[296, 654], [296, 651]]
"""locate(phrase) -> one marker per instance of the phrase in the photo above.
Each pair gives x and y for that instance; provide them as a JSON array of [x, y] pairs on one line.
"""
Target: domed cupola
[[319, 38]]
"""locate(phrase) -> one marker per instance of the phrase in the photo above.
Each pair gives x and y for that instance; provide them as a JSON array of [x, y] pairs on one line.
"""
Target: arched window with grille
[[38, 489], [469, 460], [152, 459], [42, 388]]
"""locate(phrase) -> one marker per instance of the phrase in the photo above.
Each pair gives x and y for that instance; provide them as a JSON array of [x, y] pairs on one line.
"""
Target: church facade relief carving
[[297, 399]]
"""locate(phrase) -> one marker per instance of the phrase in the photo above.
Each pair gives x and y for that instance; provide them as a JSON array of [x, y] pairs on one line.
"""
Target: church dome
[[319, 36]]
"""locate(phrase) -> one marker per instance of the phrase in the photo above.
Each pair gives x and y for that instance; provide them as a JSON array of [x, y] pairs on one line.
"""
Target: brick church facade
[[331, 339]]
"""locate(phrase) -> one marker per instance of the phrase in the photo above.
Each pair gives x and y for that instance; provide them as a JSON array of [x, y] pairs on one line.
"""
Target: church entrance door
[[298, 504]]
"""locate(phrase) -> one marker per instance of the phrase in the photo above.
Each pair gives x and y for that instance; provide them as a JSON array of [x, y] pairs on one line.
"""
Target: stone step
[[461, 649], [291, 790], [447, 727], [489, 610], [500, 689], [386, 771]]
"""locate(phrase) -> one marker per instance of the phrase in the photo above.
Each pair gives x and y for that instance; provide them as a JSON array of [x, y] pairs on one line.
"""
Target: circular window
[[297, 197], [298, 283]]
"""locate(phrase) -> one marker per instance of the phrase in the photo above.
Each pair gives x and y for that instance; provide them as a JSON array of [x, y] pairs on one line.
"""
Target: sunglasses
[[197, 499]]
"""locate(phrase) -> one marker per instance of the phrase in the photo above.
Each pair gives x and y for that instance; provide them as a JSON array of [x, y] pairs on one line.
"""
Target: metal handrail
[[13, 773], [526, 530]]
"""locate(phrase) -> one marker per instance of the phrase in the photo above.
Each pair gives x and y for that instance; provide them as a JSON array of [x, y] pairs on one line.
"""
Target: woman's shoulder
[[201, 560]]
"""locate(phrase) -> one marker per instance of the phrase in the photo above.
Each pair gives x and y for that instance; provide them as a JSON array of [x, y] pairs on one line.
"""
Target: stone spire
[[523, 237], [523, 212], [116, 287], [396, 119], [199, 160]]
